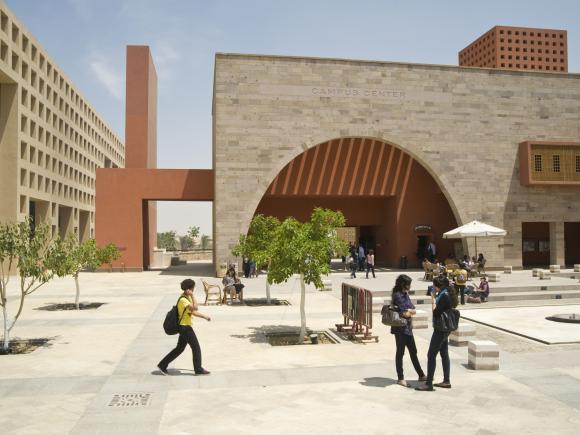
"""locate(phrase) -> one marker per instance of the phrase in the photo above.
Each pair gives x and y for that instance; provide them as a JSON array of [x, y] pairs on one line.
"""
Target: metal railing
[[357, 310]]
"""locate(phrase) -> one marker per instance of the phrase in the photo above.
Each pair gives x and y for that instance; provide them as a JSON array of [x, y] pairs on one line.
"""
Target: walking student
[[446, 299], [186, 308], [404, 334], [371, 262]]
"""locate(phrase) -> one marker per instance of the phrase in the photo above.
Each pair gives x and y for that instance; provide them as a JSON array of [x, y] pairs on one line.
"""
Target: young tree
[[193, 233], [71, 257], [306, 249], [185, 242], [31, 251], [257, 244], [167, 240]]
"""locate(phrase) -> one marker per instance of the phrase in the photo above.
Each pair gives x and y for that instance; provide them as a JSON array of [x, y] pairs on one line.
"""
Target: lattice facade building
[[51, 139]]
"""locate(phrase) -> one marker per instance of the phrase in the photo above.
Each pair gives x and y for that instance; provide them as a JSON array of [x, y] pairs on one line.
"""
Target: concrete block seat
[[492, 276], [507, 269], [462, 335], [545, 274], [577, 268], [536, 272], [483, 355], [421, 320], [554, 268]]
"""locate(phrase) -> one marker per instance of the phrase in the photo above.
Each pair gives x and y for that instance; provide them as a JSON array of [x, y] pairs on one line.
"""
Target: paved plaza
[[254, 388]]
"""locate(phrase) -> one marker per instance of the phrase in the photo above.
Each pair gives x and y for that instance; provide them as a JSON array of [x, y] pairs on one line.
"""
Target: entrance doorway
[[572, 242], [422, 244], [535, 244]]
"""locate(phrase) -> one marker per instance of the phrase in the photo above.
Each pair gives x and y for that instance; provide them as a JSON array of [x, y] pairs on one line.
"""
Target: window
[[577, 163], [543, 245], [538, 163], [529, 246], [555, 162]]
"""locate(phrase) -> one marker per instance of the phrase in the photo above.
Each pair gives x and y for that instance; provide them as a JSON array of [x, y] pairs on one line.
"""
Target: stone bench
[[463, 334], [577, 268], [507, 269], [326, 285], [536, 272], [555, 268], [483, 355], [492, 276], [421, 320], [545, 274]]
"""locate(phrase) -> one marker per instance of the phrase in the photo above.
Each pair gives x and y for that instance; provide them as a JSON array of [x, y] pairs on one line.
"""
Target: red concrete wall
[[140, 109], [120, 195]]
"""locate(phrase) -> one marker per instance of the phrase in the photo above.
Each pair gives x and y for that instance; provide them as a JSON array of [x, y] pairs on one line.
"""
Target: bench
[[555, 268], [492, 276], [545, 274], [483, 355], [507, 269], [577, 268], [536, 272], [463, 334]]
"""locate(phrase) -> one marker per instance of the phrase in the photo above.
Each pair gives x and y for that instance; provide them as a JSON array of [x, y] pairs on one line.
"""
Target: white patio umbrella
[[474, 229]]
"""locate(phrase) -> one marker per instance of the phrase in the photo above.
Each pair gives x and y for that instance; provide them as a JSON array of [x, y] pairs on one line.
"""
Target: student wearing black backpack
[[186, 308]]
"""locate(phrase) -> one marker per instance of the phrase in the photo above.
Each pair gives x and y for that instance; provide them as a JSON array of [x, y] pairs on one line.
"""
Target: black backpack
[[171, 322]]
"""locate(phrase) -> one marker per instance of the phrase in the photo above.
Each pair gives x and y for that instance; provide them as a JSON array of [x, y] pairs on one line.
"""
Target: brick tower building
[[519, 48]]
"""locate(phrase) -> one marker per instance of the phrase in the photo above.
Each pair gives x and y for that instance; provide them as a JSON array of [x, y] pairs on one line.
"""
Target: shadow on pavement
[[196, 269], [378, 382]]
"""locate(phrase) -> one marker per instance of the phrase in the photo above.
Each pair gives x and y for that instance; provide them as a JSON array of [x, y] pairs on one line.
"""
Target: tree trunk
[[78, 291], [6, 330], [268, 301], [302, 311]]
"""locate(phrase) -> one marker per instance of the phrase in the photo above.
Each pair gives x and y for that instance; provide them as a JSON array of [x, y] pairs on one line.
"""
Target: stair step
[[519, 296]]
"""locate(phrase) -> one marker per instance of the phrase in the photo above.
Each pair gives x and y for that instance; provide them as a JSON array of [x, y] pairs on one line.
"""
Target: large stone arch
[[380, 175]]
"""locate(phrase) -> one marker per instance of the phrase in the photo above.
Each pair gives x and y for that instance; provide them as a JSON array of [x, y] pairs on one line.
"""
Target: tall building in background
[[519, 48], [51, 140]]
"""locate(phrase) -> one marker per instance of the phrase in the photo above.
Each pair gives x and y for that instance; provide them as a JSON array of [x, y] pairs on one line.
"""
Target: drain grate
[[130, 400]]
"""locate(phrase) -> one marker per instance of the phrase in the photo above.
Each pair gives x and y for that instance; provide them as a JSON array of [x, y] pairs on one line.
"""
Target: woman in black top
[[446, 298], [404, 334]]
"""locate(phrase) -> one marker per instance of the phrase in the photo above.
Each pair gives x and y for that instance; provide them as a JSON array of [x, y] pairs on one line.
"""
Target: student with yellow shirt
[[186, 307]]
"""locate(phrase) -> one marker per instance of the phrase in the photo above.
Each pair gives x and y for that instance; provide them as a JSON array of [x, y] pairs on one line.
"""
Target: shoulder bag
[[390, 316]]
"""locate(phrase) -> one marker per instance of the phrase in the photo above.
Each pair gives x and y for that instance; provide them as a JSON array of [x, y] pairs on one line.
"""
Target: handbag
[[391, 316], [447, 321]]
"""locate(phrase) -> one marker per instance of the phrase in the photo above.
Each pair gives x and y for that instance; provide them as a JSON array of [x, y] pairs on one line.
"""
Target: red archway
[[384, 192]]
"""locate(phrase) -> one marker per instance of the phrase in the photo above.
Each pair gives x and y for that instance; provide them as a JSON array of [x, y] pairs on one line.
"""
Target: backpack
[[171, 322]]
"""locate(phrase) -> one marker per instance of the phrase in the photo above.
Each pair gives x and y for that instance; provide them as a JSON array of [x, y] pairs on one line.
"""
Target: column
[[557, 249]]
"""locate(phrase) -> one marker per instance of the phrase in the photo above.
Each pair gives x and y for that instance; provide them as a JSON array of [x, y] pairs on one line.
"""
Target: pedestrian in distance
[[371, 263], [186, 308], [404, 334], [443, 298]]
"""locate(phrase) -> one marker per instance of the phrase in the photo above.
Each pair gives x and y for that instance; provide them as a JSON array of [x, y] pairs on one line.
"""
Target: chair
[[212, 290], [227, 293]]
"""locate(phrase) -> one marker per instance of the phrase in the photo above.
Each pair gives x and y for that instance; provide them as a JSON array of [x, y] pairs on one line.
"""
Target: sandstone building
[[51, 139]]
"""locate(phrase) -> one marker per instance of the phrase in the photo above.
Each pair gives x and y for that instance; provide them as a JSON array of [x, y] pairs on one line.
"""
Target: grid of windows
[[577, 163], [556, 163], [62, 141], [538, 163], [518, 48]]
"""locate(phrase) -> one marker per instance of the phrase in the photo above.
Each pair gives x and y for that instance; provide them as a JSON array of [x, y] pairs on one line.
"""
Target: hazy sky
[[87, 39]]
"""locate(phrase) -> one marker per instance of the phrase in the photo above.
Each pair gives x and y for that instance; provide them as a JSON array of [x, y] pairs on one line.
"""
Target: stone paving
[[258, 389]]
